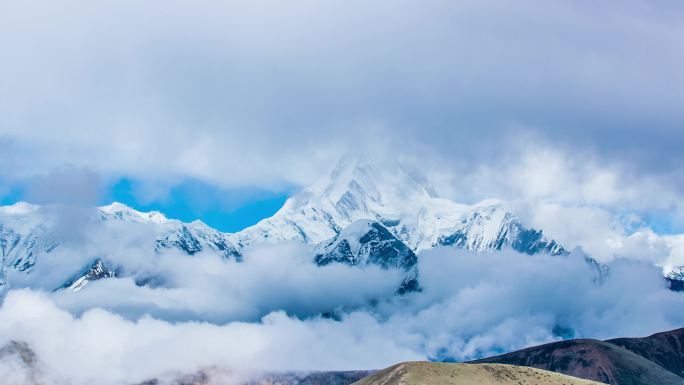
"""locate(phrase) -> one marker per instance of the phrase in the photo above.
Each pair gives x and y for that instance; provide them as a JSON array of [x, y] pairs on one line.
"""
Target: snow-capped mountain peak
[[96, 271], [121, 211], [363, 188], [364, 211], [363, 182], [18, 208], [356, 188], [28, 231]]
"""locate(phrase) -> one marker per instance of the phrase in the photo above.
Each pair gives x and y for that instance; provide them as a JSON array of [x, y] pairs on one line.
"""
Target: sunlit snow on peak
[[122, 211], [19, 208]]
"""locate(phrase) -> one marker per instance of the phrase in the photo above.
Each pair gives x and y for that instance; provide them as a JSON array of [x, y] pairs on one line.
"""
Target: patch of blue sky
[[227, 210], [664, 223], [10, 194]]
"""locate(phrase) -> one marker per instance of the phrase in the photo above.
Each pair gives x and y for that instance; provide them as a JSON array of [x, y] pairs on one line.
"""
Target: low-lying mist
[[277, 311]]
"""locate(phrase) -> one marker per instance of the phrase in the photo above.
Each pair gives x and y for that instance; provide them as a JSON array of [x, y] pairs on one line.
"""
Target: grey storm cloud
[[275, 91]]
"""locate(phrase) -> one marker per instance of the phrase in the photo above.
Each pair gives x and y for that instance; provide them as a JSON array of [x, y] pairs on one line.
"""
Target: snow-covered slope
[[399, 199], [355, 189], [28, 231], [364, 211], [493, 228], [24, 234], [98, 270], [170, 233]]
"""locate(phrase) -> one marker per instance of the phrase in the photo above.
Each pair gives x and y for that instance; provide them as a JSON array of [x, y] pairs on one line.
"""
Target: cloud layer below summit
[[569, 110], [471, 305]]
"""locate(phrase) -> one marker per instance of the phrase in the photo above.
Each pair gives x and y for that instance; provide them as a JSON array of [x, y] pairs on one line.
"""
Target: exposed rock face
[[370, 243], [675, 278], [98, 270]]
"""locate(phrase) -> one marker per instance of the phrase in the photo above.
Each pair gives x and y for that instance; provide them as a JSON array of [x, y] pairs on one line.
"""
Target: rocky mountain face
[[363, 212], [510, 233], [367, 242], [675, 278], [657, 359], [98, 270]]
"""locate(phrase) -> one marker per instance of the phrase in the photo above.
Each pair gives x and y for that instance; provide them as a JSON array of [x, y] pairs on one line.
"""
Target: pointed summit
[[365, 187], [361, 186], [358, 187]]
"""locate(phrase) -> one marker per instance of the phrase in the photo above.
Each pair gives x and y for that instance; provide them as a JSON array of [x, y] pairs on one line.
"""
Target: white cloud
[[105, 348], [471, 305], [570, 112], [260, 93], [205, 286]]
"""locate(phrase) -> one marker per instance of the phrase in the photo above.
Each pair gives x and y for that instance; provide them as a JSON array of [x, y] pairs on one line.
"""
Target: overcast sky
[[570, 111], [265, 96]]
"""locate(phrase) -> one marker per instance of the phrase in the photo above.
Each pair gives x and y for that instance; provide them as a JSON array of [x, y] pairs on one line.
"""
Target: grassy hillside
[[431, 373]]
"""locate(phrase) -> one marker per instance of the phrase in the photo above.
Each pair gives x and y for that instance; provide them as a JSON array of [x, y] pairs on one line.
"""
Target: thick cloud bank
[[472, 305], [250, 86], [206, 287]]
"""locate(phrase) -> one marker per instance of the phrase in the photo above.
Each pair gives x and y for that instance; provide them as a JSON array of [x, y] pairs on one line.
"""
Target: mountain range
[[363, 212]]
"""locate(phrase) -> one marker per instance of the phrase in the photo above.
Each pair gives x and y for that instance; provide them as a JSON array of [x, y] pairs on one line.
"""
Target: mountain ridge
[[399, 201]]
